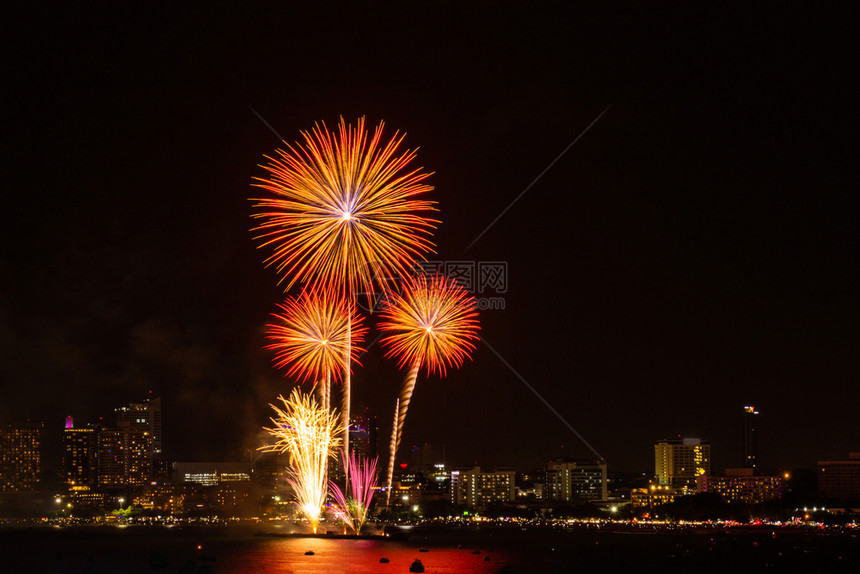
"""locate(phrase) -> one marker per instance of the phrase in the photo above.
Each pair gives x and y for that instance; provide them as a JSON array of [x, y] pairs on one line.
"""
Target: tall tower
[[80, 455], [750, 440]]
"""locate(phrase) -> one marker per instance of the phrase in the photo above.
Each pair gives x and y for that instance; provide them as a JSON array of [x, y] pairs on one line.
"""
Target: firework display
[[306, 431], [345, 213], [433, 322], [352, 509]]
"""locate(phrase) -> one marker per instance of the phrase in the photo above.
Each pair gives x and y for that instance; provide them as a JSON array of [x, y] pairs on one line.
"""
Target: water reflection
[[354, 556]]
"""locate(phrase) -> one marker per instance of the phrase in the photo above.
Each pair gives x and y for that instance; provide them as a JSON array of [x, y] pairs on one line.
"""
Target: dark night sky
[[695, 251]]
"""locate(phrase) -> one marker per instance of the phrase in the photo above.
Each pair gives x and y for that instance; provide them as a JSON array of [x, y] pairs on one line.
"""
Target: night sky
[[694, 251]]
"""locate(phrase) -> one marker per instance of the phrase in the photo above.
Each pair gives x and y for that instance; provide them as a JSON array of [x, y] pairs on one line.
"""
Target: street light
[[121, 500]]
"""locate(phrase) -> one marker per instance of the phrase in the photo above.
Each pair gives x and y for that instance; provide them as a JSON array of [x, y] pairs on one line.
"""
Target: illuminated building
[[750, 439], [173, 499], [80, 455], [84, 498], [212, 473], [575, 481], [679, 462], [654, 495], [20, 456], [437, 483], [742, 486], [111, 469], [840, 479], [125, 452], [532, 484], [111, 457], [144, 416], [138, 455], [233, 498], [476, 489], [124, 455]]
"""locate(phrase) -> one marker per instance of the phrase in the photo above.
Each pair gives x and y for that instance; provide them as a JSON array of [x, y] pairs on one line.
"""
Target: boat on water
[[383, 560], [417, 566], [309, 553]]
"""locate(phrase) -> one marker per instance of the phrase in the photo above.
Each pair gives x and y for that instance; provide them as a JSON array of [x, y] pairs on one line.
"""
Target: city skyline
[[365, 426], [104, 465], [671, 203]]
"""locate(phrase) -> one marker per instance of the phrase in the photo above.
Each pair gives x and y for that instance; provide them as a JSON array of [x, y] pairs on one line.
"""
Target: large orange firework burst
[[432, 322], [313, 334], [345, 210]]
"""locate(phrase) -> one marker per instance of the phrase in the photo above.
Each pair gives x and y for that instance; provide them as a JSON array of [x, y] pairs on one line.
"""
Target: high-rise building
[[144, 416], [20, 456], [138, 455], [111, 457], [476, 489], [80, 455], [124, 455], [750, 438], [574, 482], [679, 462]]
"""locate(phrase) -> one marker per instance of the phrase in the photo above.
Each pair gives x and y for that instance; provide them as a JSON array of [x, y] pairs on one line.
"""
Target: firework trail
[[306, 431], [353, 509], [345, 213], [392, 451], [433, 322]]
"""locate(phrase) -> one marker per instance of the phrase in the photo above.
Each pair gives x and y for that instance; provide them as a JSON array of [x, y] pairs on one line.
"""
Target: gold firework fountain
[[306, 431]]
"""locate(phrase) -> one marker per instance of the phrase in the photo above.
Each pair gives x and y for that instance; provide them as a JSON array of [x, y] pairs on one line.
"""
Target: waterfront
[[467, 550]]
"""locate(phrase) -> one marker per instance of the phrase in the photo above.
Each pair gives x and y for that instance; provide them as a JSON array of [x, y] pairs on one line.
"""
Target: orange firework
[[434, 322], [345, 210], [313, 335]]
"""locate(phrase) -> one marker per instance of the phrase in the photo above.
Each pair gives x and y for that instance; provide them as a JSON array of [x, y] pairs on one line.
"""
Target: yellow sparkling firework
[[306, 431], [345, 211]]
